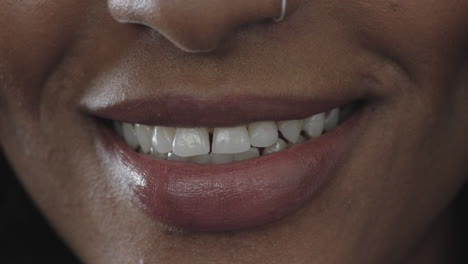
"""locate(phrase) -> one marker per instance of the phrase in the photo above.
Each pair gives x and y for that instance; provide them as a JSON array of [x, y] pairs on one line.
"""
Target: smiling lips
[[228, 177], [227, 144]]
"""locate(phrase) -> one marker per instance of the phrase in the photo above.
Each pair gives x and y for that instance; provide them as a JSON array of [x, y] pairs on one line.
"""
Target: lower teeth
[[228, 144]]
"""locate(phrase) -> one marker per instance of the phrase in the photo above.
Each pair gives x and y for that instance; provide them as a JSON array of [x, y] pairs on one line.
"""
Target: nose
[[196, 25]]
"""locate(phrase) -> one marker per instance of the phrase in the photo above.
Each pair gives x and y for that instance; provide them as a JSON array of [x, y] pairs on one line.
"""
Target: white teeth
[[331, 120], [278, 146], [263, 134], [173, 157], [228, 144], [221, 158], [162, 139], [291, 130], [190, 142], [143, 134], [129, 135], [249, 154], [230, 140], [313, 126]]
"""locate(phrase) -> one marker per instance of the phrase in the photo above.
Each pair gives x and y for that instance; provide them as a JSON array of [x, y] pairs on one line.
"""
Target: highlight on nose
[[195, 25]]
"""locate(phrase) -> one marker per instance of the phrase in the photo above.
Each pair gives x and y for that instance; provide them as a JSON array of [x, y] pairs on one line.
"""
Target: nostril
[[180, 23], [195, 26]]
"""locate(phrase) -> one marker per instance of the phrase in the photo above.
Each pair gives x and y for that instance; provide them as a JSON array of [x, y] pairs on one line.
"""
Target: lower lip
[[229, 196]]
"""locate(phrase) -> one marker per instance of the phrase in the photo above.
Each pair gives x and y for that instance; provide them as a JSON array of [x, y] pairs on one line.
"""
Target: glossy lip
[[230, 196]]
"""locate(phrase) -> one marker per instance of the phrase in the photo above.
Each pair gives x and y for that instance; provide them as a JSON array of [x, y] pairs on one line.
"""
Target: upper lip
[[151, 94], [185, 111]]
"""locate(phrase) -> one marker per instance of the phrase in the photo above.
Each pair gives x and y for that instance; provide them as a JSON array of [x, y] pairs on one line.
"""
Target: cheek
[[425, 37], [34, 35]]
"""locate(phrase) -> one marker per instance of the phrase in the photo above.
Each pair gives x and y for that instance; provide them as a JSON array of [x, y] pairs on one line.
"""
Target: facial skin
[[388, 203]]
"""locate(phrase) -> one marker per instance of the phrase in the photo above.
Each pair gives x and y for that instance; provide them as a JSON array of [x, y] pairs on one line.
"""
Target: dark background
[[25, 236]]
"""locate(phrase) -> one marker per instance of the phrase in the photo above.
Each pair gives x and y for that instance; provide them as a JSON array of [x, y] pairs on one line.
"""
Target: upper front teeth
[[332, 119], [162, 139], [143, 135], [190, 142], [291, 130], [231, 140], [313, 126], [263, 134], [228, 144], [129, 135]]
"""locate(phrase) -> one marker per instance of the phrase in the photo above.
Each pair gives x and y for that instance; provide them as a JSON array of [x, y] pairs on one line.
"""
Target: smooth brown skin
[[388, 203]]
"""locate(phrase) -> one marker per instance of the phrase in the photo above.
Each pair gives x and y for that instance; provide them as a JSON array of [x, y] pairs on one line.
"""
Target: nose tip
[[195, 25]]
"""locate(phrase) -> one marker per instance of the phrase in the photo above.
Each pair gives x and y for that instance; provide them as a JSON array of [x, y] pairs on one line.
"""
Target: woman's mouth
[[229, 176], [227, 144]]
